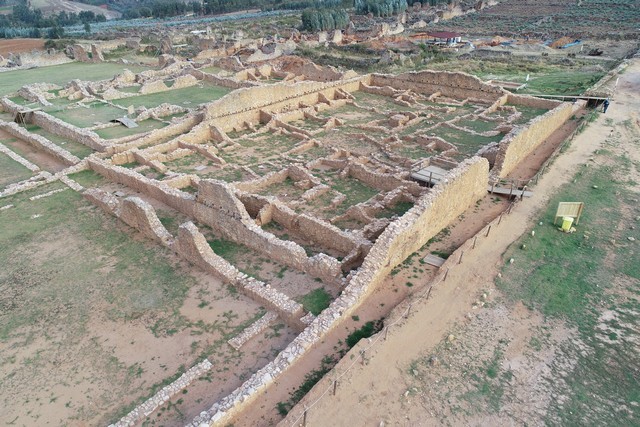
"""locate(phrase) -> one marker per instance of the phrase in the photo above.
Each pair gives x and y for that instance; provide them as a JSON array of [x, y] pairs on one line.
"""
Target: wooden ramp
[[433, 174], [508, 191], [430, 175], [434, 260]]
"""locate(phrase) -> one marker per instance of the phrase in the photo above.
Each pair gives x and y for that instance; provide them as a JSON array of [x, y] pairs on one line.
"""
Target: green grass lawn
[[11, 81], [188, 97], [10, 172], [79, 150], [316, 301], [575, 277], [87, 117], [120, 131]]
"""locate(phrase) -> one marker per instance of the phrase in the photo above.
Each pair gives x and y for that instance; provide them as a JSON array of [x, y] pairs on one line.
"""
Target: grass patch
[[60, 74], [88, 178], [12, 171], [367, 330], [188, 97], [316, 301], [310, 380], [575, 277]]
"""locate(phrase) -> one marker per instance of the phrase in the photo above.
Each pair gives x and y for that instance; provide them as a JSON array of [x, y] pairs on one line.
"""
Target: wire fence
[[456, 258]]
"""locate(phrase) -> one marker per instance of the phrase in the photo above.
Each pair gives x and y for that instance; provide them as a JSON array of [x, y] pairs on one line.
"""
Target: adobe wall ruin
[[465, 185]]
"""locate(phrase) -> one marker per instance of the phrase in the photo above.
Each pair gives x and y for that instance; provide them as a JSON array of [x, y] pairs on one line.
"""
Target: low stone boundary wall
[[24, 162], [167, 392], [325, 234], [39, 142], [191, 245], [453, 195], [244, 105], [66, 130], [257, 327]]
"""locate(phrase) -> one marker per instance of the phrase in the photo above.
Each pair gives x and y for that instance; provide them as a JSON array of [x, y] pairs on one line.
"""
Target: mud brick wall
[[450, 84], [66, 130], [449, 198], [39, 142], [522, 140]]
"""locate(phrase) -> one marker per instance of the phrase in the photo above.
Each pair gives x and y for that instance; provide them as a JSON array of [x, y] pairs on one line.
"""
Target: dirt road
[[377, 392]]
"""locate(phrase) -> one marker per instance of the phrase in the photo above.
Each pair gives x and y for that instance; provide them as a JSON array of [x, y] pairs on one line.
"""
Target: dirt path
[[377, 392]]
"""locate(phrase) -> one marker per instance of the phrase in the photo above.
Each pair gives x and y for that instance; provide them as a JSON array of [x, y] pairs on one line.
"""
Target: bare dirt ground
[[8, 46], [453, 333]]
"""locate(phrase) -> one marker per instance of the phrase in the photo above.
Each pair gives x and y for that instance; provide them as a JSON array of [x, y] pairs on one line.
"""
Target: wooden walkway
[[433, 174]]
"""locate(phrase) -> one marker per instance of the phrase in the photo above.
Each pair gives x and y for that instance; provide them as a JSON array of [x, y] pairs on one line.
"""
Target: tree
[[56, 32], [87, 28]]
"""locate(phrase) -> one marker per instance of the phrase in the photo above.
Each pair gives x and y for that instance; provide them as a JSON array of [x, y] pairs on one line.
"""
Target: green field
[[188, 97], [11, 81], [97, 112], [120, 131], [79, 150], [11, 171], [575, 278], [71, 277]]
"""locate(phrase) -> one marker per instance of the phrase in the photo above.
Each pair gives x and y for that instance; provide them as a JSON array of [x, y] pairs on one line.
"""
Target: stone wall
[[522, 140], [179, 200], [66, 130], [216, 206], [17, 158], [192, 245], [181, 130], [449, 198], [244, 105], [39, 142], [325, 234], [142, 411], [450, 84]]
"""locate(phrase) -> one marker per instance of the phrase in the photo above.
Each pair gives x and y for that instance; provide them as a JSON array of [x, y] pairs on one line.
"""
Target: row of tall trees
[[324, 19], [380, 7], [23, 16]]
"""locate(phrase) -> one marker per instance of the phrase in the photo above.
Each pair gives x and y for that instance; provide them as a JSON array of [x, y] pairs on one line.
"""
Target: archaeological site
[[202, 221]]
